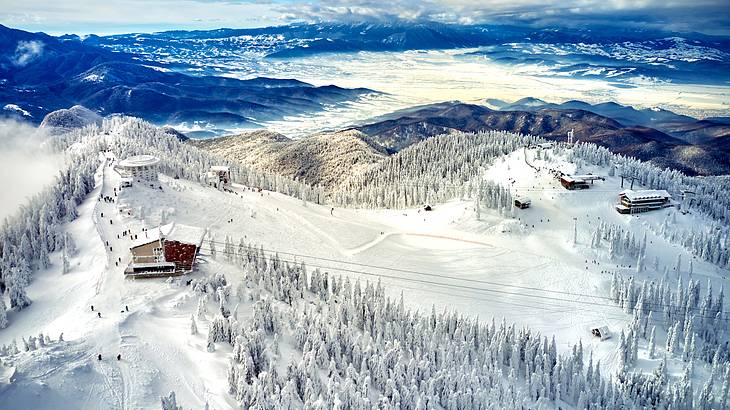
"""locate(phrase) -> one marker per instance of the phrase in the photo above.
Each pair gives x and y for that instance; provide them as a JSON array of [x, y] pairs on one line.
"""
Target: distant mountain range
[[328, 159], [40, 74], [590, 52], [709, 157], [708, 131], [142, 75]]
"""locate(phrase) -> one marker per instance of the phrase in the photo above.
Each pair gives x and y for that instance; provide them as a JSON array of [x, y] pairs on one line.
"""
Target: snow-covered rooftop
[[184, 233], [149, 236], [219, 168], [586, 177], [139, 161], [173, 232], [580, 178], [645, 194]]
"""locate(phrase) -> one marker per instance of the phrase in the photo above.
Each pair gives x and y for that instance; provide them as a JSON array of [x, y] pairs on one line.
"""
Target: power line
[[658, 320], [456, 286], [441, 276]]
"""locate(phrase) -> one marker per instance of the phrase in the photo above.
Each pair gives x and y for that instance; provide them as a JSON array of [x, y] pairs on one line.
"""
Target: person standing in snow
[[119, 357], [98, 313], [99, 356]]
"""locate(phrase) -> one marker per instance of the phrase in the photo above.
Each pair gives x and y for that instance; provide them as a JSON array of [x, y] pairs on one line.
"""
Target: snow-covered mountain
[[590, 52], [430, 258], [74, 117], [325, 159], [403, 128], [360, 297], [55, 74]]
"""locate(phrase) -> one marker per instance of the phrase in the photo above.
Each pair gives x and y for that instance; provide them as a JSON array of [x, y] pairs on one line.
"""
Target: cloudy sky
[[106, 17]]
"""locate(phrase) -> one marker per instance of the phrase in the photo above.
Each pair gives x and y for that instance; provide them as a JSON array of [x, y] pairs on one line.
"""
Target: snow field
[[447, 258]]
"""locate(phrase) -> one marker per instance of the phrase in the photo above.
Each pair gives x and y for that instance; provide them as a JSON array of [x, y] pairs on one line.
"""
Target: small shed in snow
[[522, 202], [601, 332]]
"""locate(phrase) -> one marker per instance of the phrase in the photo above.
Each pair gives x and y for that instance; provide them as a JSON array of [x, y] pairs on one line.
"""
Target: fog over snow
[[25, 169], [422, 77]]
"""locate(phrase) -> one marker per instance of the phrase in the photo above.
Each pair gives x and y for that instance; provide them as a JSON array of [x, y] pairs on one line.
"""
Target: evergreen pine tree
[[193, 326], [65, 265], [170, 402], [652, 342], [3, 314]]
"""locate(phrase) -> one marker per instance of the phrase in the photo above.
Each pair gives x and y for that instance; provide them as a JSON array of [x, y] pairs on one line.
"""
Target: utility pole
[[627, 177]]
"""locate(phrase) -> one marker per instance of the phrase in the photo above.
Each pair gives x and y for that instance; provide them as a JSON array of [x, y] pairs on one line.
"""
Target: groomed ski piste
[[538, 268]]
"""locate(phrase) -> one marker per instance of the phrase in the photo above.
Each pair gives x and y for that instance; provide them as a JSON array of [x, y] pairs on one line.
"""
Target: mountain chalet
[[219, 176], [630, 201], [165, 251], [572, 182]]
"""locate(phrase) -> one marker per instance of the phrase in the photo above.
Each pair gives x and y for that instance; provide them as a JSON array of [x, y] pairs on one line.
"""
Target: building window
[[159, 255]]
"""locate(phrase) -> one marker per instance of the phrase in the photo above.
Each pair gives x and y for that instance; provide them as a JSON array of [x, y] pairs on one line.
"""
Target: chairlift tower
[[687, 195], [627, 177]]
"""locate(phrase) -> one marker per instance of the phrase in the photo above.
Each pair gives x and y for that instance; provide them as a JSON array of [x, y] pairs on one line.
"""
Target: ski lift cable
[[441, 276], [457, 286]]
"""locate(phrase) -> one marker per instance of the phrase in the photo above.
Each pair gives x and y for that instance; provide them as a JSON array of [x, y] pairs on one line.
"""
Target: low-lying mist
[[25, 167]]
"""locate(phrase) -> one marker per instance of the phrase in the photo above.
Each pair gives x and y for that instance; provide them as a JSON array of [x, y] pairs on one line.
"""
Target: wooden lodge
[[572, 182], [165, 251]]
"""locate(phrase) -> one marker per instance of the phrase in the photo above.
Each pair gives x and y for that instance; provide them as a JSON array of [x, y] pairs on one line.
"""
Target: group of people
[[126, 309], [125, 233]]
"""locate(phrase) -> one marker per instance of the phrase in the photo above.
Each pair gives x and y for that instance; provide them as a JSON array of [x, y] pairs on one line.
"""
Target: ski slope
[[525, 269]]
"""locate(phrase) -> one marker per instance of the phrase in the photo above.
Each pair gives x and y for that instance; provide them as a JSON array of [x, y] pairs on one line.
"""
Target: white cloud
[[27, 51], [25, 168], [105, 17], [683, 15], [125, 16]]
